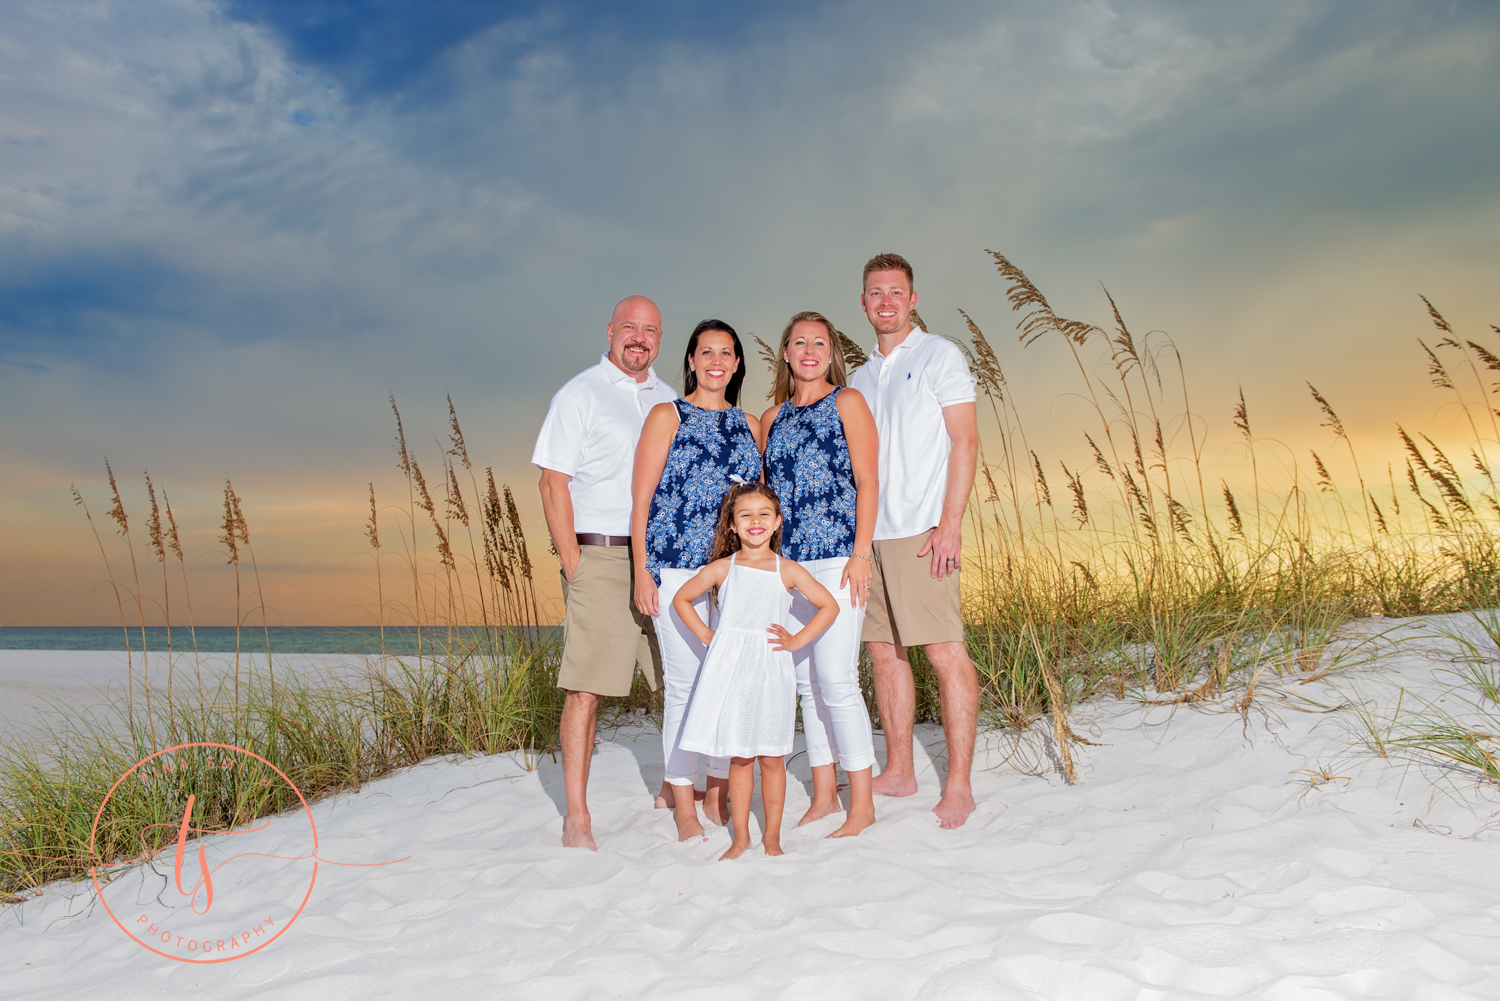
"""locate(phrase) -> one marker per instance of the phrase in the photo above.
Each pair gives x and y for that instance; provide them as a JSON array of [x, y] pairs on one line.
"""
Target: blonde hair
[[781, 387], [888, 262]]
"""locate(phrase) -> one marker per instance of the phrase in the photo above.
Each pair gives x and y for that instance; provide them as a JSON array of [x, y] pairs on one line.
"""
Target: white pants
[[681, 658], [834, 716]]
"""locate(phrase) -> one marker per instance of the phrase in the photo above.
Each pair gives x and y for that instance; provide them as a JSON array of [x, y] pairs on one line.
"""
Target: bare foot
[[716, 806], [688, 828], [818, 810], [954, 808], [858, 821], [736, 849], [578, 833], [772, 846], [891, 784], [666, 799]]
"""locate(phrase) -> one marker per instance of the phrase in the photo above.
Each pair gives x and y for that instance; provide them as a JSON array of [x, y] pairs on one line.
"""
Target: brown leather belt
[[592, 539]]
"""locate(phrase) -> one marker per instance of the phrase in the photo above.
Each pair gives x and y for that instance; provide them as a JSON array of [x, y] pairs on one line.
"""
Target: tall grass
[[466, 691], [1137, 577], [1131, 572]]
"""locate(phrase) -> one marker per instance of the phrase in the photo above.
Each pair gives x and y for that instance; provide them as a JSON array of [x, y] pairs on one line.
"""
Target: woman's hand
[[781, 639], [858, 573], [647, 598]]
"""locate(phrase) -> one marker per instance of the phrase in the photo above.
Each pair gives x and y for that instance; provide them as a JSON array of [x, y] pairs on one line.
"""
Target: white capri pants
[[681, 658], [834, 716]]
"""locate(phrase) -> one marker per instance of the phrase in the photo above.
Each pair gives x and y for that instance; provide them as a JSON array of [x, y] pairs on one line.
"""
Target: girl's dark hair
[[690, 379], [725, 539]]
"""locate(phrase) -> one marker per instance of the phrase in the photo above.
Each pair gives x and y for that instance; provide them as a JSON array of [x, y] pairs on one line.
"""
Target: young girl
[[743, 706]]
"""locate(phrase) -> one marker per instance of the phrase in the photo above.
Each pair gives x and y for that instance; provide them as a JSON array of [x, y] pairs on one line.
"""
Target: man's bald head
[[632, 305], [634, 335]]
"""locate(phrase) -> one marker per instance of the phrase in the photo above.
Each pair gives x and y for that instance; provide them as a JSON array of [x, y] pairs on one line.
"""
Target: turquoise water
[[221, 639]]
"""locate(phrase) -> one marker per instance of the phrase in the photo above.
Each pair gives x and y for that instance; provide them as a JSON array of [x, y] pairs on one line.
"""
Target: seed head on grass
[[1039, 318], [854, 355], [771, 358], [1080, 502], [456, 436]]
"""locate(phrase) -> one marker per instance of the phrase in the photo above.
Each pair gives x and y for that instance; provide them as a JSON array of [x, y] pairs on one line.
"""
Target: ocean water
[[221, 639]]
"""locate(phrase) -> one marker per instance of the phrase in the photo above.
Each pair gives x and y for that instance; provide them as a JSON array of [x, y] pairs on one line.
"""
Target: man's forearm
[[961, 463], [557, 506]]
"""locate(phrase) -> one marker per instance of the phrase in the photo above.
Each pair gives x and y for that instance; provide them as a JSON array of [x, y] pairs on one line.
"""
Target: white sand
[[1192, 861], [32, 681]]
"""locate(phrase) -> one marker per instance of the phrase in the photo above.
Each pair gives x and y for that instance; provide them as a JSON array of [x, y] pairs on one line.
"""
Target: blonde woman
[[821, 459]]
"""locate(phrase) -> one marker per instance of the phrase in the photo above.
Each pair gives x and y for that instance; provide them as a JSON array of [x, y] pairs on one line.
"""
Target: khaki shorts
[[908, 606], [604, 637]]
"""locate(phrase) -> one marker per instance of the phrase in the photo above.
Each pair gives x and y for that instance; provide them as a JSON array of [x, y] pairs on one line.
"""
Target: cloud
[[227, 230]]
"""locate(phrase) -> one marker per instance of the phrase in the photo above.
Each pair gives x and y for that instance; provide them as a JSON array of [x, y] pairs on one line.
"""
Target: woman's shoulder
[[661, 421], [848, 396], [769, 417], [666, 411]]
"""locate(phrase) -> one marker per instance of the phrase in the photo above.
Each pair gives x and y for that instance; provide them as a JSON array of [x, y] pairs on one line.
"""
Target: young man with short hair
[[922, 395]]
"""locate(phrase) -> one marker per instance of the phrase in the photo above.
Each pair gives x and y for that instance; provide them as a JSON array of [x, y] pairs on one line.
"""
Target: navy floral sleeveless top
[[807, 464], [711, 446]]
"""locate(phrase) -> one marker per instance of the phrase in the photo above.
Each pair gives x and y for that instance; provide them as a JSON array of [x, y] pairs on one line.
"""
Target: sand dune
[[1192, 860]]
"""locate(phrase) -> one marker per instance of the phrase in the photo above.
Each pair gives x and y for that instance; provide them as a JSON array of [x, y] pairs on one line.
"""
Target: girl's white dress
[[745, 701]]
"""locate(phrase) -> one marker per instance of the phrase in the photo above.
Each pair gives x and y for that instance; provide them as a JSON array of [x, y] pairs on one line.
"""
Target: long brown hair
[[690, 378], [726, 541], [781, 388]]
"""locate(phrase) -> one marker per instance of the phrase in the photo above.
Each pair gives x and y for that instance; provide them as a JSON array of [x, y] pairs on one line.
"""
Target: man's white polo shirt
[[907, 393], [590, 434]]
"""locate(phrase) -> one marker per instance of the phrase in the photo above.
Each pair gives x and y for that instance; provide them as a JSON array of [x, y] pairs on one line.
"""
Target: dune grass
[[1134, 576], [1130, 574]]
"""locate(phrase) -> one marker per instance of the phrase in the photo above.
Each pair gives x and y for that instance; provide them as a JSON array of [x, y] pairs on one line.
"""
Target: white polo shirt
[[590, 434], [907, 393]]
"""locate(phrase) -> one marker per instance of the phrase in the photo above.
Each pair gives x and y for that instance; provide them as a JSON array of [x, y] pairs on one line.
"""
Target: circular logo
[[227, 885]]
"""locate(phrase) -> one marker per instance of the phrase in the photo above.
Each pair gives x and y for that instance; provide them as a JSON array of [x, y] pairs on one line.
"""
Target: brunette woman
[[690, 453]]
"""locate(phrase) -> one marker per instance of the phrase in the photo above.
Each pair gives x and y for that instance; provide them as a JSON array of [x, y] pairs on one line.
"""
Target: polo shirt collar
[[617, 375], [909, 341]]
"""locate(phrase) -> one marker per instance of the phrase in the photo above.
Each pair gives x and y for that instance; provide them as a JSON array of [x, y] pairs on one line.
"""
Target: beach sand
[[32, 682], [1193, 860]]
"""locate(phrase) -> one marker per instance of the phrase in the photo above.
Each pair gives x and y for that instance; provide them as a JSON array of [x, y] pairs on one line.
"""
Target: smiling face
[[809, 350], [755, 520], [887, 301], [634, 335], [713, 361]]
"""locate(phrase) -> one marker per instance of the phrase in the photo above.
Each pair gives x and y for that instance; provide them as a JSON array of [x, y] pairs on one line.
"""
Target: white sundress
[[745, 701]]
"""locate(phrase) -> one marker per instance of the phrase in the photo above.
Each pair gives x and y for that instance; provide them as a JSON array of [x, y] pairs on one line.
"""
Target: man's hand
[[944, 544]]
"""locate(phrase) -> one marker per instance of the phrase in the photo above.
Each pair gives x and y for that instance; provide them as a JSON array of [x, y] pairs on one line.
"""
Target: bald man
[[586, 451]]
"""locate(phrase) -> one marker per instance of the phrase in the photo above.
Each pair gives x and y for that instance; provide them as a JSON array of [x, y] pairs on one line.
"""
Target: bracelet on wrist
[[868, 559]]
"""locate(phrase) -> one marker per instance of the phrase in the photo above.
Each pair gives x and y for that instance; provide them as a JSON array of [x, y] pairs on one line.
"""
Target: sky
[[229, 232]]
